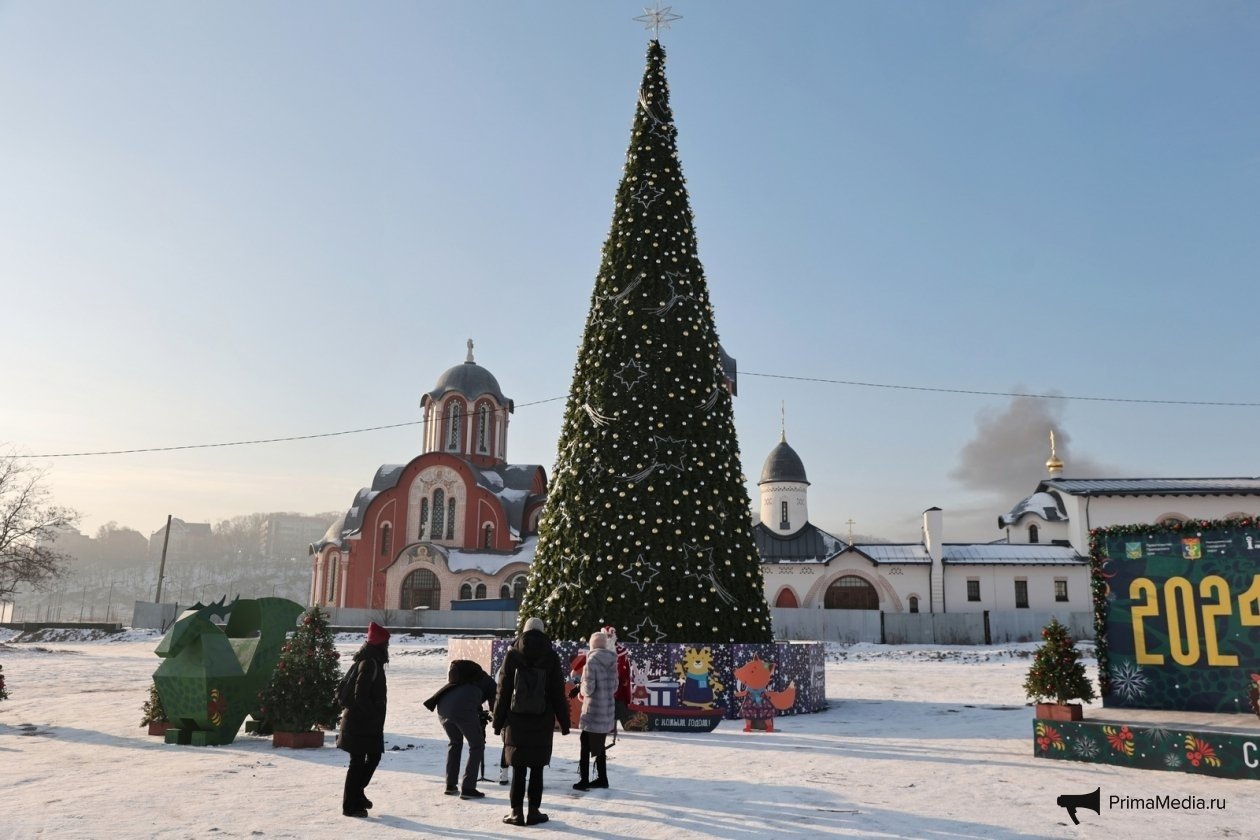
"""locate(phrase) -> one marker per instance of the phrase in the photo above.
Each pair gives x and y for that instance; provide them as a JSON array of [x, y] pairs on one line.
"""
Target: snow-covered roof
[[1048, 506], [1154, 486], [511, 483], [461, 560], [895, 552], [1020, 554]]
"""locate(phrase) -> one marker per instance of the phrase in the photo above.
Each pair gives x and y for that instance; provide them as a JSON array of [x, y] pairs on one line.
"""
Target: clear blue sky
[[236, 220]]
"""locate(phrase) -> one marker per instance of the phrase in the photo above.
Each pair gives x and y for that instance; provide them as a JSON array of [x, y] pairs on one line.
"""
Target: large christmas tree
[[647, 524]]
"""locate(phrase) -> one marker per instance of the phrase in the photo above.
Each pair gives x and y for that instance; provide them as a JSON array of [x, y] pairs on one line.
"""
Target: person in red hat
[[362, 730]]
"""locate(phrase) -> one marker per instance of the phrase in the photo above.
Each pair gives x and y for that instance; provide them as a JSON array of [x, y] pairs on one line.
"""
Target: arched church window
[[1032, 533], [518, 588], [450, 520], [465, 592], [331, 588], [385, 539], [914, 603], [787, 598], [424, 517], [488, 536], [452, 435], [483, 427], [850, 592], [420, 589], [481, 591], [784, 524], [439, 509]]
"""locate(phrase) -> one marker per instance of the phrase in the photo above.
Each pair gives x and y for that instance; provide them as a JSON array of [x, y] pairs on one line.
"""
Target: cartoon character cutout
[[758, 704], [700, 685]]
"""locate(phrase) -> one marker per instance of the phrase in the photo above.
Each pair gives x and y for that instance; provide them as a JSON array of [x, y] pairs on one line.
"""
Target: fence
[[991, 627], [844, 626]]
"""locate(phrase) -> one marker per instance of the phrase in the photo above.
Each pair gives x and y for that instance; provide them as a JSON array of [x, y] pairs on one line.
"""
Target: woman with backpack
[[362, 730], [530, 702]]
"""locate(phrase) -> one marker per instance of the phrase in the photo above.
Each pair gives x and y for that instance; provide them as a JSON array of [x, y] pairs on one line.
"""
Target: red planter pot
[[1059, 711], [159, 727], [297, 740]]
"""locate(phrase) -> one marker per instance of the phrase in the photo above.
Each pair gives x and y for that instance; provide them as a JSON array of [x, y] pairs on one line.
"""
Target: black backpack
[[529, 691]]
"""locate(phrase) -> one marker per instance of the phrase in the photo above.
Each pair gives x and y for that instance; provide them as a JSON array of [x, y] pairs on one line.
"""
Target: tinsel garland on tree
[[1098, 559], [303, 689], [647, 523]]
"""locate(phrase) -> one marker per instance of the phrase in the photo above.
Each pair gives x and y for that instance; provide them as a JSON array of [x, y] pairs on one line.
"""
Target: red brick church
[[457, 522]]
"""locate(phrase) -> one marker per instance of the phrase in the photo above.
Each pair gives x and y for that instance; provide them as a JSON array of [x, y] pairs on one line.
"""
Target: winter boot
[[601, 771], [505, 778], [515, 818], [535, 817]]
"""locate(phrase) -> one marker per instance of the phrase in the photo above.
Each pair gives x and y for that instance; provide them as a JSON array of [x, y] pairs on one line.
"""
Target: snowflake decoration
[[653, 631], [1172, 761], [630, 374], [1129, 681], [645, 573], [1085, 747], [657, 18], [647, 194]]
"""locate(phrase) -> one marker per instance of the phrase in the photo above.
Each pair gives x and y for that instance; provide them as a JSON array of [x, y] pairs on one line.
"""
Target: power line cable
[[1000, 393], [849, 382]]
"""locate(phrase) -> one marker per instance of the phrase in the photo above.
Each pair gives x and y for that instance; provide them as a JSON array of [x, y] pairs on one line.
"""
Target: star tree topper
[[658, 18]]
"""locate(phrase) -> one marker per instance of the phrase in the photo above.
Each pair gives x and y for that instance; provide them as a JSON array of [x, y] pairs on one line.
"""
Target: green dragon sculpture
[[211, 675]]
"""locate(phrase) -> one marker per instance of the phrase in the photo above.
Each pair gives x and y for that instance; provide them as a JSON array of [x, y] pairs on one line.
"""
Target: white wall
[[997, 587]]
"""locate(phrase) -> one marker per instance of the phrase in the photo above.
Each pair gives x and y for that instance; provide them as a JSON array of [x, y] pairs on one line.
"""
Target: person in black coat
[[362, 730], [458, 704], [526, 737]]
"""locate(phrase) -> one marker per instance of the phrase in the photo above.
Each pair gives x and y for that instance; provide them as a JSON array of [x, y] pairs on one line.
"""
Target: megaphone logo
[[1072, 801]]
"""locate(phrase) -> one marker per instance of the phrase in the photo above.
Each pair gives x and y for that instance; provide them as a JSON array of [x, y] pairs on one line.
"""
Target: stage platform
[[1207, 744]]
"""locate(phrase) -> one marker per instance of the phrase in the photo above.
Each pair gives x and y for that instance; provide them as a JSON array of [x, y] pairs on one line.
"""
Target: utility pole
[[166, 540]]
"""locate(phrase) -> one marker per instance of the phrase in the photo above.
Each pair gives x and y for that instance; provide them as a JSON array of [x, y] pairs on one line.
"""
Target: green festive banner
[[1181, 611], [1202, 752]]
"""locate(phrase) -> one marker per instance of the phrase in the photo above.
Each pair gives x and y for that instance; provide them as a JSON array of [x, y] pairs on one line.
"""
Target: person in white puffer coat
[[599, 717]]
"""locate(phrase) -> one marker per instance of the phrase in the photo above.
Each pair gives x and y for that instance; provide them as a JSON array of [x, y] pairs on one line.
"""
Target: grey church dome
[[469, 379], [783, 464]]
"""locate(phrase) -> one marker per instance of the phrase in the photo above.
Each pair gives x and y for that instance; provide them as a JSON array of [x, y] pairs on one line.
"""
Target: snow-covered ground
[[920, 741]]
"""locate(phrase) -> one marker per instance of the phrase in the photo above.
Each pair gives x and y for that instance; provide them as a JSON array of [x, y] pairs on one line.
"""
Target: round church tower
[[466, 414], [784, 509]]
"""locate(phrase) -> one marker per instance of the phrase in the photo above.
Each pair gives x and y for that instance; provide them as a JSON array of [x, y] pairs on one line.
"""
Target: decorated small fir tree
[[646, 525], [302, 693], [1057, 672], [153, 710]]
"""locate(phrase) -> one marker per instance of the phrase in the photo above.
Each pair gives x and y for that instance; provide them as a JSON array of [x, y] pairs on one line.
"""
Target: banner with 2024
[[1182, 615]]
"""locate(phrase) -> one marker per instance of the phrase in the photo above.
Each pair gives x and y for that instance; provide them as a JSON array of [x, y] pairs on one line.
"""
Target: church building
[[457, 523], [1039, 560]]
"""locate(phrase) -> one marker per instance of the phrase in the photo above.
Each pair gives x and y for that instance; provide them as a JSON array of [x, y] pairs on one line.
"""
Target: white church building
[[1039, 563]]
